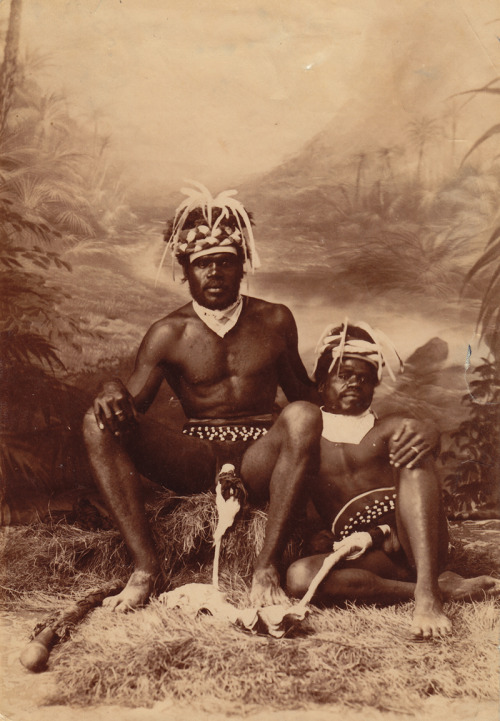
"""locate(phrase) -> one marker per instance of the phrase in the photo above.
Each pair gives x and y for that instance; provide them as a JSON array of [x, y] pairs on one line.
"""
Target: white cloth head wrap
[[336, 340]]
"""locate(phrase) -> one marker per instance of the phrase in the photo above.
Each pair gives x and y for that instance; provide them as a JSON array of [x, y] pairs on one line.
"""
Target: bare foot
[[455, 588], [429, 621], [266, 589], [134, 595]]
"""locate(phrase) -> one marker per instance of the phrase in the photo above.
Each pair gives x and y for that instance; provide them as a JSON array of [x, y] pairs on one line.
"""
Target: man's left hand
[[412, 442]]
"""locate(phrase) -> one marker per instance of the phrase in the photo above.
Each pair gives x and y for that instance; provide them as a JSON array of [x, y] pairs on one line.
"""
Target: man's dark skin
[[347, 470], [230, 378], [216, 379]]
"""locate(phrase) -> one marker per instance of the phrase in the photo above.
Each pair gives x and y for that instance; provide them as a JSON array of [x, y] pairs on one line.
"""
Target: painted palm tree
[[361, 160], [491, 88], [422, 132], [9, 65], [489, 314], [451, 116], [47, 116], [386, 155], [40, 198], [488, 265], [477, 439]]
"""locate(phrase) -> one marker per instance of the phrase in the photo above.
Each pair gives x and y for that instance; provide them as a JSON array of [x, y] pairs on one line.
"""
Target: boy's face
[[349, 388]]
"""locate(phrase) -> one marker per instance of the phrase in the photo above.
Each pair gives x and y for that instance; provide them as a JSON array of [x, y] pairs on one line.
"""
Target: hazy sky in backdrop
[[218, 90]]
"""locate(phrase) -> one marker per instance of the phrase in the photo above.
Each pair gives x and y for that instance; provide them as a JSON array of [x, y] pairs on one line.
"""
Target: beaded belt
[[368, 509], [232, 432]]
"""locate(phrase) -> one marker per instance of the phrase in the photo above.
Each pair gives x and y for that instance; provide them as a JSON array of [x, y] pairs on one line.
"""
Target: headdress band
[[212, 250], [223, 223]]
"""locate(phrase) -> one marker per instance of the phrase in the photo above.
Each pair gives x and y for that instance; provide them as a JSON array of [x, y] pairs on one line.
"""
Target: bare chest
[[355, 467], [205, 358]]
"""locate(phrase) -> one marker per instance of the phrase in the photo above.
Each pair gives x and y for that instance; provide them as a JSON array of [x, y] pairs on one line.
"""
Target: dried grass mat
[[360, 656]]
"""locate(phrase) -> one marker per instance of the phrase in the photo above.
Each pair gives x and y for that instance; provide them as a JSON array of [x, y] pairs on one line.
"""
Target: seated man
[[358, 489], [224, 356]]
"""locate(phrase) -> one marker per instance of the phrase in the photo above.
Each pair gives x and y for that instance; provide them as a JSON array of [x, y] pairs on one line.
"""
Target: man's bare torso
[[223, 378], [347, 470]]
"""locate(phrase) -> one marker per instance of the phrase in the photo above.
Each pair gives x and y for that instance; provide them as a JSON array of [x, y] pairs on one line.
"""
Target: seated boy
[[358, 489]]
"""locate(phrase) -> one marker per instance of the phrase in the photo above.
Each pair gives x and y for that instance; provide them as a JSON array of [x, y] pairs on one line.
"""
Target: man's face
[[348, 388], [214, 280]]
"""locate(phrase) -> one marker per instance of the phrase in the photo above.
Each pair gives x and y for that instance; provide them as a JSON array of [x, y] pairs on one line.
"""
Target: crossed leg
[[378, 577], [374, 577]]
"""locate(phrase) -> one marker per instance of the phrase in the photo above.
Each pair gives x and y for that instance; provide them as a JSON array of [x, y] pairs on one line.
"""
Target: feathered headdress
[[340, 343], [222, 223]]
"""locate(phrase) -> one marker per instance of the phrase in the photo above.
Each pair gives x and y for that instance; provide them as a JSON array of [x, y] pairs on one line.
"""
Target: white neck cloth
[[338, 428], [220, 321]]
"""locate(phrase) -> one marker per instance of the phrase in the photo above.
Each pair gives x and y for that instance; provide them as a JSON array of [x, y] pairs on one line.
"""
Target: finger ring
[[119, 414]]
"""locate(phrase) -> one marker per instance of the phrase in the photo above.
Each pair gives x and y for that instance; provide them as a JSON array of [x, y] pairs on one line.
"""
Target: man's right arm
[[117, 404]]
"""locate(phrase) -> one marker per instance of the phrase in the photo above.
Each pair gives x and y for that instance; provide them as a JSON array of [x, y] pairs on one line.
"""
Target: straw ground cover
[[356, 655], [65, 559]]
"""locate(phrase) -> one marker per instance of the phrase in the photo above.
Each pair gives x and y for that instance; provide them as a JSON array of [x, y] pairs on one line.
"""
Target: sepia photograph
[[249, 360]]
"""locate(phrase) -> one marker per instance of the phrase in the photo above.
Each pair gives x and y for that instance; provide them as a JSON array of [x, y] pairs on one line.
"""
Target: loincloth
[[233, 432], [229, 440], [369, 509]]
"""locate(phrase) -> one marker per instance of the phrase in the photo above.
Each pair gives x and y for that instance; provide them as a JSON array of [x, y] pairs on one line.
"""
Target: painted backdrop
[[364, 138]]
